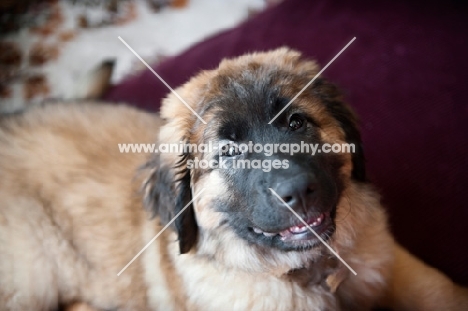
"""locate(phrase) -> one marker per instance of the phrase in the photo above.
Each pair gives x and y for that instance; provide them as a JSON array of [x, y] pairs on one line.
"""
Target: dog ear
[[167, 191], [332, 99], [186, 223], [168, 188]]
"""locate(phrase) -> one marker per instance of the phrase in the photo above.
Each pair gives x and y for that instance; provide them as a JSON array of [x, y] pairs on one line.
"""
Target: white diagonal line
[[164, 82], [312, 81], [160, 232], [312, 230]]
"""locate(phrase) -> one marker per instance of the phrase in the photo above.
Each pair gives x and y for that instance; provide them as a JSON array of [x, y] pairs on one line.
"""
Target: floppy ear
[[332, 98], [167, 191], [168, 188]]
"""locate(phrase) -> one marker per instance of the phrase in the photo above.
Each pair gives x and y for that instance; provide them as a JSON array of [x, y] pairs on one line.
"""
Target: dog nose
[[298, 192]]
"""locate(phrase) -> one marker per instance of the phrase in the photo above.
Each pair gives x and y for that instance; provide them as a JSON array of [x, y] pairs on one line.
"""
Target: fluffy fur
[[74, 210]]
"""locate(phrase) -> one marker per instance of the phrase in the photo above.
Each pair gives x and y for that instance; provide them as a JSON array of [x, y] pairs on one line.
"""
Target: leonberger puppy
[[75, 209]]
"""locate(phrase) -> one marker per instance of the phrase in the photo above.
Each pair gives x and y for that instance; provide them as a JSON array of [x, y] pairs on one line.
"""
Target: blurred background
[[47, 46], [405, 76]]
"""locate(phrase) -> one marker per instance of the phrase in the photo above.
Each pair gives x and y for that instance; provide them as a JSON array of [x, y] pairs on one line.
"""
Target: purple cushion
[[404, 75]]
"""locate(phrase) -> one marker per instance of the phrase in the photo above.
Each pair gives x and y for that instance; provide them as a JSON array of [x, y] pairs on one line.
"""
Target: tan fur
[[69, 244], [71, 217]]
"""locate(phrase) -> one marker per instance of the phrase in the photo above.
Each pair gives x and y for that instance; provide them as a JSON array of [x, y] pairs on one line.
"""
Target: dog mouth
[[300, 232]]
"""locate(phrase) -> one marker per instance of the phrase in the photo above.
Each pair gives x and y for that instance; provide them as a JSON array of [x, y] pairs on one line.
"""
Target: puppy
[[246, 230]]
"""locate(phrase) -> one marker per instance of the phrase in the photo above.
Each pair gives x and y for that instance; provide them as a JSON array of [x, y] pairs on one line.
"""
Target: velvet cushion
[[405, 76]]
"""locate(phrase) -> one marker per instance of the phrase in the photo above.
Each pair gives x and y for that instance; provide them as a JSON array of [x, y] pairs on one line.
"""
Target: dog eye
[[230, 150], [296, 122]]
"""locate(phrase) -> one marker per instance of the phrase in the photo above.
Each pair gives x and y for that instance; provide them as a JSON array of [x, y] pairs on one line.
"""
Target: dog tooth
[[317, 221], [256, 230], [269, 234], [297, 229]]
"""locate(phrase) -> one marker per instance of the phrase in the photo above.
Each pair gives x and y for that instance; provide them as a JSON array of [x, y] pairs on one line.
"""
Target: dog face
[[240, 194]]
